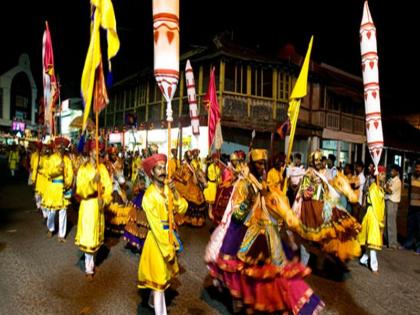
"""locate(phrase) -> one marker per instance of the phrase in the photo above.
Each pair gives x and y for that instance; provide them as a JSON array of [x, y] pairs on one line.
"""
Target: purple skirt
[[233, 238], [134, 240]]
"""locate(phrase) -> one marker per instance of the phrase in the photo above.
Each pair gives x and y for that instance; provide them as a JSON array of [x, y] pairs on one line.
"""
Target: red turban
[[150, 162], [61, 141], [91, 145], [240, 154], [112, 150], [381, 169], [227, 175]]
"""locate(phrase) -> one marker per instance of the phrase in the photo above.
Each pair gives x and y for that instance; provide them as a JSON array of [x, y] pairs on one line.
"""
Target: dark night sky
[[335, 24]]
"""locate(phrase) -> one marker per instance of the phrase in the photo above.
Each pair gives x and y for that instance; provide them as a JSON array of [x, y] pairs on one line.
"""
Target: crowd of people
[[265, 221]]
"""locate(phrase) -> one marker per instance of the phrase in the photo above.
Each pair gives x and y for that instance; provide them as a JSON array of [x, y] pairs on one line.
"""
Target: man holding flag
[[93, 181]]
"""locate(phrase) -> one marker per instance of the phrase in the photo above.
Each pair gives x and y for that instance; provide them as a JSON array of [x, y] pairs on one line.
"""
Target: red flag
[[48, 56], [283, 129], [100, 99], [51, 91], [213, 112]]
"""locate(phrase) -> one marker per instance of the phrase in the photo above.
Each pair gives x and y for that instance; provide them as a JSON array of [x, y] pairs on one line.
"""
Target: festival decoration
[[369, 52], [192, 100], [166, 65]]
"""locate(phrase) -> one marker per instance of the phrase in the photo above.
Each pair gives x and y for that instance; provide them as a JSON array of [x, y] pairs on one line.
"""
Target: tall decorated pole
[[192, 100], [369, 52], [299, 92], [166, 65]]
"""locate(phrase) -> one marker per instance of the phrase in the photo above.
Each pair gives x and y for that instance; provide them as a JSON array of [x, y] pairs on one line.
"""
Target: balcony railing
[[339, 121], [259, 108]]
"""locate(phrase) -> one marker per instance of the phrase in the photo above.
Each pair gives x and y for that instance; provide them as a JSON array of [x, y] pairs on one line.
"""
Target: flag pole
[[298, 93], [291, 139], [169, 175], [97, 141]]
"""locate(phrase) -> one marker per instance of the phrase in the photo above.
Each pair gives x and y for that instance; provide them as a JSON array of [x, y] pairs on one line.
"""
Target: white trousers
[[38, 200], [159, 303], [12, 172], [45, 212], [304, 255], [62, 222], [89, 263], [370, 255]]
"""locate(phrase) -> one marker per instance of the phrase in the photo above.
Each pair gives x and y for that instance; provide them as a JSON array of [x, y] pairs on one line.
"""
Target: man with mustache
[[158, 262]]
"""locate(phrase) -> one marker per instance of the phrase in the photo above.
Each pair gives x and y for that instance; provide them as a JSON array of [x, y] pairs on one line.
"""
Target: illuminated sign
[[18, 126]]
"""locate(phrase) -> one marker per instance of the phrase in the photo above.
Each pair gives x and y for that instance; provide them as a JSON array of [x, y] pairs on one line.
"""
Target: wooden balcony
[[248, 107], [339, 121]]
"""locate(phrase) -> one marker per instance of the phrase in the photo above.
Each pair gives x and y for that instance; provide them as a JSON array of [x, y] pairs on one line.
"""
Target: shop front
[[134, 140], [347, 148]]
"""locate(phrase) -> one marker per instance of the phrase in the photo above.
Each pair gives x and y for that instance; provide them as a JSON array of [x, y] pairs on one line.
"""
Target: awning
[[343, 136]]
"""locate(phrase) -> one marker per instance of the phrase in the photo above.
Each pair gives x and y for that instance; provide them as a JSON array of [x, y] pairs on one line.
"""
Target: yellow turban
[[259, 154]]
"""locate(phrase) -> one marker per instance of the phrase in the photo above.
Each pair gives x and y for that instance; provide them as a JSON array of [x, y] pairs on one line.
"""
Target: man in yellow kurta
[[370, 235], [213, 180], [196, 162], [173, 163], [158, 262], [91, 222], [136, 166], [35, 167], [59, 174], [13, 159], [275, 175]]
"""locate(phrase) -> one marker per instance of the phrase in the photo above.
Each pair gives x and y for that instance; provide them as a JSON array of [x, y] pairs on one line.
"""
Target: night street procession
[[221, 157]]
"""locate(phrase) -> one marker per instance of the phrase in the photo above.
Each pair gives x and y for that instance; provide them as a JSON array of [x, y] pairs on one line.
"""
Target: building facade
[[18, 94], [253, 92]]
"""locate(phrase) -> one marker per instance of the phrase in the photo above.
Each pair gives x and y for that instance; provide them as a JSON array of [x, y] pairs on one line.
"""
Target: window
[[332, 102], [152, 91], [255, 86], [110, 120], [267, 83], [230, 77], [141, 114], [283, 85], [119, 119], [154, 112], [397, 160]]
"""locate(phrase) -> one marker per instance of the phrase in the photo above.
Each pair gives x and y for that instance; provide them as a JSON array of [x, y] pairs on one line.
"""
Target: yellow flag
[[103, 16], [299, 91], [300, 88]]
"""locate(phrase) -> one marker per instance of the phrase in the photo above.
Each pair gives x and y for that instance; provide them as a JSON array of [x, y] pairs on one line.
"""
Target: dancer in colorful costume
[[324, 219], [251, 261], [136, 229], [188, 185], [116, 215], [224, 190], [158, 261]]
